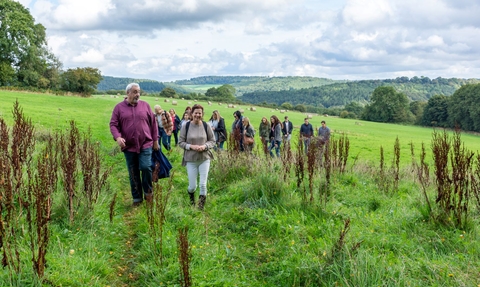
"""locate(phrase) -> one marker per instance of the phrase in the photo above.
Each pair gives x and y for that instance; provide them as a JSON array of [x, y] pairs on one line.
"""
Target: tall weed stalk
[[300, 170], [184, 257], [94, 180], [396, 164], [40, 197], [287, 160], [453, 189], [476, 181], [68, 162], [156, 213], [16, 157], [423, 173]]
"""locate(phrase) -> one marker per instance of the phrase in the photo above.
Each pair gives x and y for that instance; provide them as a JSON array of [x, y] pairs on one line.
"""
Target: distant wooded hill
[[339, 94], [113, 83], [319, 92]]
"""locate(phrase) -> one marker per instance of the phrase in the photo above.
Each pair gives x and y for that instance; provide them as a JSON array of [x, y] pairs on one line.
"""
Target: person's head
[[186, 116], [158, 109], [274, 120], [286, 118], [323, 123], [246, 121], [264, 120], [216, 115], [172, 112], [133, 93], [197, 113], [306, 121], [237, 114]]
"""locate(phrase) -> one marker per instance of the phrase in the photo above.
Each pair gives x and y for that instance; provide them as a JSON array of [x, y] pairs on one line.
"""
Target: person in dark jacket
[[165, 127], [264, 130], [287, 130], [134, 128], [237, 131], [176, 125], [218, 126], [306, 133], [275, 135], [250, 133]]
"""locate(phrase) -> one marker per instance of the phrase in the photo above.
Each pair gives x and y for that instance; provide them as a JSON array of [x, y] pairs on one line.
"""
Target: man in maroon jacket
[[134, 128]]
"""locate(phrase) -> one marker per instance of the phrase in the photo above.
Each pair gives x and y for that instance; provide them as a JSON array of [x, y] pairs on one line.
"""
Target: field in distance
[[366, 138]]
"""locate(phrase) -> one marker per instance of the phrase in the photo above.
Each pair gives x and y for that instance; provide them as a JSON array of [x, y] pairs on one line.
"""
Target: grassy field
[[366, 138], [200, 88], [256, 229]]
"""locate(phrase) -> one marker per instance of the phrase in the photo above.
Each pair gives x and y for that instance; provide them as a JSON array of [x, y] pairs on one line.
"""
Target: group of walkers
[[139, 131]]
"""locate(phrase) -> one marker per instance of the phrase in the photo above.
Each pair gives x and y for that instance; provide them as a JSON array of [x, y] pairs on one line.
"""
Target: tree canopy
[[463, 108], [222, 93], [81, 80], [388, 106], [24, 56], [435, 112]]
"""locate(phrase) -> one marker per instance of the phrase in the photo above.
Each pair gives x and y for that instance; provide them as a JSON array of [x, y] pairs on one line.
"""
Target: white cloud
[[73, 14], [359, 13], [90, 56], [256, 27], [178, 39]]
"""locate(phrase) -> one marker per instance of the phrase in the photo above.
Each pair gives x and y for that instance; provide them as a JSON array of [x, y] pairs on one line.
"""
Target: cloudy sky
[[168, 40]]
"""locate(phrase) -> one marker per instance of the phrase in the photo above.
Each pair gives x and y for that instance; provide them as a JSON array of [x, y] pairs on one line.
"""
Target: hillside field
[[257, 228], [366, 138]]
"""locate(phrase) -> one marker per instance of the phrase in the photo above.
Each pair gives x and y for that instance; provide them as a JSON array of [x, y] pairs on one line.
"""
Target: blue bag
[[160, 165]]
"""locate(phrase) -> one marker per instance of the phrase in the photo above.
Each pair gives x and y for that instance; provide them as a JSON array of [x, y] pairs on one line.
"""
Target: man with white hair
[[134, 128]]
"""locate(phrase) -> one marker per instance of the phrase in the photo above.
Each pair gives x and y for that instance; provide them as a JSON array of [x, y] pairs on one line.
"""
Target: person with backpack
[[248, 135], [238, 131], [264, 131], [275, 136], [164, 127], [176, 124], [218, 126], [197, 139]]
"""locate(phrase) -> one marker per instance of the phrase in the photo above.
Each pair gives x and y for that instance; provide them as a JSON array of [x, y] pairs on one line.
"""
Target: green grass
[[255, 230], [200, 88], [366, 138]]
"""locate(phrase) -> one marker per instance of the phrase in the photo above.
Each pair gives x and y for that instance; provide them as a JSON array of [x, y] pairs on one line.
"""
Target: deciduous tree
[[81, 80], [464, 110], [388, 106], [168, 93], [435, 112], [24, 56]]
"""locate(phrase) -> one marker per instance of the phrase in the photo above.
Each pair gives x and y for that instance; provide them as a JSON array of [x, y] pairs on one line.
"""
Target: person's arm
[[182, 139], [115, 129], [210, 143], [249, 132], [153, 128], [221, 125]]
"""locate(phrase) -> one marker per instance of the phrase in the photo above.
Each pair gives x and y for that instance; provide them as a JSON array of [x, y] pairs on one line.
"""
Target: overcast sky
[[168, 40]]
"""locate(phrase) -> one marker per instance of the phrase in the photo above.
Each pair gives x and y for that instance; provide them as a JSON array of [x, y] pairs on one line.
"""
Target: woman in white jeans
[[197, 139]]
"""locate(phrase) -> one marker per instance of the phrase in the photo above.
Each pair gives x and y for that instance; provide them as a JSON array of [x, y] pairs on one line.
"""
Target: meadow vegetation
[[389, 205]]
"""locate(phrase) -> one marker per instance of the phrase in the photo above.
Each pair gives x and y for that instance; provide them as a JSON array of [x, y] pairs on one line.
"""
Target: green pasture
[[55, 112], [256, 229], [200, 88]]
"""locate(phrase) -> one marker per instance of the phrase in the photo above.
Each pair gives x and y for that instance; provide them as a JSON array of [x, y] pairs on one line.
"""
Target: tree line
[[27, 62], [340, 94], [458, 111]]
